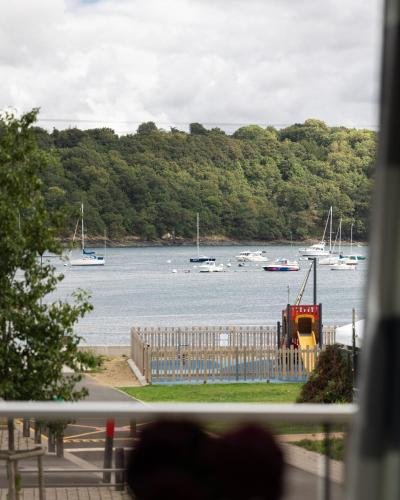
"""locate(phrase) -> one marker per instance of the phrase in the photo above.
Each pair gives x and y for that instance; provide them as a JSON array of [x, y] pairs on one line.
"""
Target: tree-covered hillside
[[259, 183]]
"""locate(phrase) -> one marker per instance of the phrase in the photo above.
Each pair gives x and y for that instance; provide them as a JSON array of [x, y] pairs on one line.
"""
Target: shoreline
[[133, 242]]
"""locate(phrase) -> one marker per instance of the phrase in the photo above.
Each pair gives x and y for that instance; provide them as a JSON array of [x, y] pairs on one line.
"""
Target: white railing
[[327, 415], [229, 412]]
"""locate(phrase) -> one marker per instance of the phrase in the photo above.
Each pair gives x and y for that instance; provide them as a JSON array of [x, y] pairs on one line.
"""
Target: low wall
[[107, 350]]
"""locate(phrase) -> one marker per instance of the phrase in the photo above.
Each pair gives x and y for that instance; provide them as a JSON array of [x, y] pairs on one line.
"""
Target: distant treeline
[[259, 183]]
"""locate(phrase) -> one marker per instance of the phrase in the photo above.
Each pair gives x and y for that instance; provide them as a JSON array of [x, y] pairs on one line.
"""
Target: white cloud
[[276, 61]]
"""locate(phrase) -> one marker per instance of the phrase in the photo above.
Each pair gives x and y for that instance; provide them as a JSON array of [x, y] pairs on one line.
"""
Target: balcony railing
[[325, 415]]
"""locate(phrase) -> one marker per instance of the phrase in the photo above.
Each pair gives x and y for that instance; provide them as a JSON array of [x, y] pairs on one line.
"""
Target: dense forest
[[256, 184]]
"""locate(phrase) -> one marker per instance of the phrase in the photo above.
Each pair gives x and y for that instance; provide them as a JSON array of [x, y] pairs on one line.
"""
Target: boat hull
[[202, 259], [342, 267], [88, 262], [281, 268]]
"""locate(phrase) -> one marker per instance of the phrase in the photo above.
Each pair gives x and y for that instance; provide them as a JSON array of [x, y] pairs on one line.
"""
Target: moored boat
[[343, 265], [318, 249], [252, 256], [211, 267], [282, 265], [200, 258], [88, 257]]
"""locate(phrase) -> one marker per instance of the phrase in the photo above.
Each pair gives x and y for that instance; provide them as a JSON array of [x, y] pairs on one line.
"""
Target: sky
[[226, 63]]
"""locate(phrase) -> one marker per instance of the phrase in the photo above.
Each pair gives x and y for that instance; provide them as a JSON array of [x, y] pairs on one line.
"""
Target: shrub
[[331, 380]]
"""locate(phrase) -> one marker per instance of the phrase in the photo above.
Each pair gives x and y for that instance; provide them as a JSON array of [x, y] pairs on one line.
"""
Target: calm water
[[137, 287]]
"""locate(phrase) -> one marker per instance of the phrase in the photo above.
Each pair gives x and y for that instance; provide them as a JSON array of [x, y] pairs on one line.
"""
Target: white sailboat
[[200, 258], [318, 249], [334, 259], [354, 258], [88, 257]]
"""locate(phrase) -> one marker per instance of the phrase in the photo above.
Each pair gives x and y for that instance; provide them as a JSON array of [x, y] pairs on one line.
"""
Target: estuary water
[[137, 287]]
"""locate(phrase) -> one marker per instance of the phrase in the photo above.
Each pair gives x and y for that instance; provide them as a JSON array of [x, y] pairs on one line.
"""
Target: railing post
[[51, 444], [38, 430], [120, 464], [42, 491], [26, 428], [60, 445], [133, 428], [327, 460], [12, 491], [108, 449]]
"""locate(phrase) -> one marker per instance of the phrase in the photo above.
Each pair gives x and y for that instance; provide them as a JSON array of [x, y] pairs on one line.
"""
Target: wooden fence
[[219, 354], [232, 364], [217, 336]]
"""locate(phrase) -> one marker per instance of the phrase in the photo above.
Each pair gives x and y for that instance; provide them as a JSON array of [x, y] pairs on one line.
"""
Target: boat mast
[[326, 226], [330, 233], [351, 239], [83, 234], [197, 239], [340, 237]]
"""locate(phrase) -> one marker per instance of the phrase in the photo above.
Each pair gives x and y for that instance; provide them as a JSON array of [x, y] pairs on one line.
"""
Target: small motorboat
[[282, 265], [211, 267], [343, 265], [249, 256]]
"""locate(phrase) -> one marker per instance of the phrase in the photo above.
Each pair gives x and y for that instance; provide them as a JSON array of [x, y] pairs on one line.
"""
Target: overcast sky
[[229, 62]]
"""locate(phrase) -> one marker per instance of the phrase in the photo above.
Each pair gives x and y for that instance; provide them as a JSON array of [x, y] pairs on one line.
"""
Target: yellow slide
[[307, 340]]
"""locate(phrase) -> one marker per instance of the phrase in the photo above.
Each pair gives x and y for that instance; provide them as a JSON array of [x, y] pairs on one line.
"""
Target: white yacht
[[211, 267], [343, 265], [318, 249], [248, 256]]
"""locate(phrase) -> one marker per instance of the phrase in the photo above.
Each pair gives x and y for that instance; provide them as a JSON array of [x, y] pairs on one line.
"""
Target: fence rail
[[219, 354]]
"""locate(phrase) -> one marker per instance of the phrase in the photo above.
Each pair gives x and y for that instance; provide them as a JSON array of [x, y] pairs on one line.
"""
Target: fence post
[[278, 331]]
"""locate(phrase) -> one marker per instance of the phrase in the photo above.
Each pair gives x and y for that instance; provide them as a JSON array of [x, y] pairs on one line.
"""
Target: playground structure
[[301, 328], [302, 325]]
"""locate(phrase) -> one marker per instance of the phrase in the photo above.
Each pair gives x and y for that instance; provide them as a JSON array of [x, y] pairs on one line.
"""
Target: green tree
[[197, 129], [37, 338], [147, 128], [331, 381]]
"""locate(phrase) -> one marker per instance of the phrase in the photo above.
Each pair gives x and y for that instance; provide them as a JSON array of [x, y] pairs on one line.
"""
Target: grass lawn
[[336, 451], [227, 393], [217, 393]]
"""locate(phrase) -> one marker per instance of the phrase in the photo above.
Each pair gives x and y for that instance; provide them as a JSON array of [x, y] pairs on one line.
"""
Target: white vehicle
[[248, 256]]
